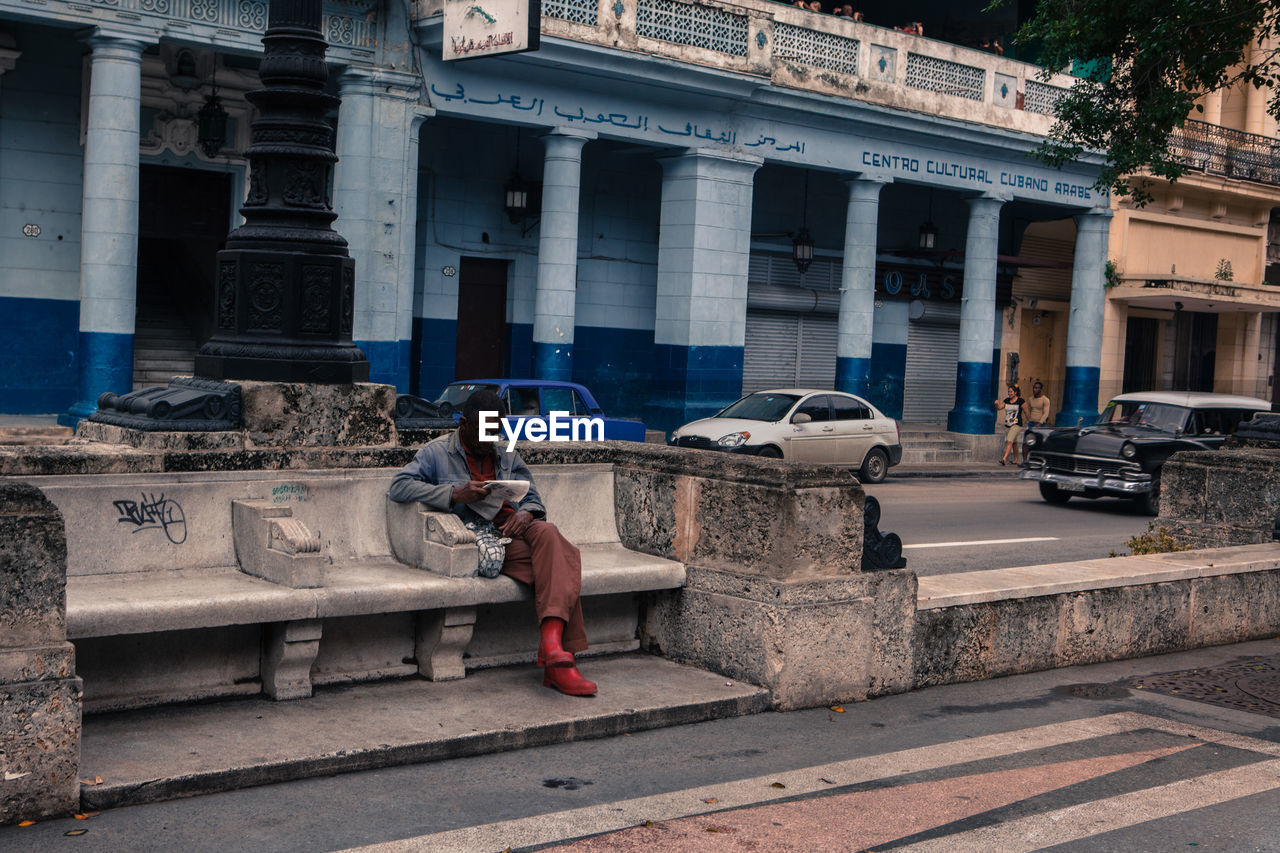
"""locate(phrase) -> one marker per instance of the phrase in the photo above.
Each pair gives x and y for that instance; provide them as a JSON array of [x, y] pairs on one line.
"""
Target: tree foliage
[[1142, 65]]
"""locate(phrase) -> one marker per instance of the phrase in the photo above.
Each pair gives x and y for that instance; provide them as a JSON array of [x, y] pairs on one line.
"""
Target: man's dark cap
[[483, 400]]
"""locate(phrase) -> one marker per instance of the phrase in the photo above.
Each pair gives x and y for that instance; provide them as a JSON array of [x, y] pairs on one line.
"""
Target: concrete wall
[[983, 640], [40, 164]]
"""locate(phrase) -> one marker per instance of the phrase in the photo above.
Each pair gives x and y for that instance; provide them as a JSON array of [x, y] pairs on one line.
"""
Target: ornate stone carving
[[258, 194], [417, 413], [348, 299], [443, 636], [266, 296], [185, 405], [226, 296], [317, 299], [304, 186], [879, 550]]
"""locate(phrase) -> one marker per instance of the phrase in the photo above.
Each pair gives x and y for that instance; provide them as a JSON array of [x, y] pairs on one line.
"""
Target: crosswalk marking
[[974, 542], [611, 816]]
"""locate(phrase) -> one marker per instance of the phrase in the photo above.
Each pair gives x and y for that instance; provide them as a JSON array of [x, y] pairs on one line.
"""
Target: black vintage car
[[1122, 454]]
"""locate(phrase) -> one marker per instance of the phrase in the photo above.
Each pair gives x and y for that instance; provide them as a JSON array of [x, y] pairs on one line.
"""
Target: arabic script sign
[[475, 28]]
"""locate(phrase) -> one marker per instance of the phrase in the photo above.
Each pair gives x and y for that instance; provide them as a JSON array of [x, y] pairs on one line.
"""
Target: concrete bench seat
[[145, 602], [185, 586]]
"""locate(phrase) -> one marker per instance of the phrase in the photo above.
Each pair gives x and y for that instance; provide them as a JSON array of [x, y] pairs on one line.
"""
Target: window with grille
[[696, 26], [812, 47], [575, 11], [942, 75]]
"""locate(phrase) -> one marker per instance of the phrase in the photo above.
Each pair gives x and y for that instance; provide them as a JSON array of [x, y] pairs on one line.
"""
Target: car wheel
[[770, 452], [1052, 494], [1149, 504], [874, 467]]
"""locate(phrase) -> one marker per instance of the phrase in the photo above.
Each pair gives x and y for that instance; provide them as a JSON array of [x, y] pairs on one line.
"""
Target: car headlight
[[1031, 440], [733, 439], [1127, 450]]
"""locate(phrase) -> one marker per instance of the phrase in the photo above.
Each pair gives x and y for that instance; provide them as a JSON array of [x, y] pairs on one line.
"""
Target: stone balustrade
[[799, 49]]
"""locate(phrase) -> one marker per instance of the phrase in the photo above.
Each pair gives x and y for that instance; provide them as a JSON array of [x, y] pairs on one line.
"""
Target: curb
[[1008, 474]]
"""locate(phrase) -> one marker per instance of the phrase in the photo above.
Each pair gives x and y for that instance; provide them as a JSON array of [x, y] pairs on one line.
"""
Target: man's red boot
[[551, 651], [568, 680]]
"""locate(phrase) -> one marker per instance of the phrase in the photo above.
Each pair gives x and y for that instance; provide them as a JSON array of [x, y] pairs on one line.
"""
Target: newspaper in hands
[[511, 491]]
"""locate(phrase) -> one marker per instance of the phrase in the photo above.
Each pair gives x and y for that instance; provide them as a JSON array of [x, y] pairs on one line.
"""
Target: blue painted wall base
[[973, 413], [38, 343], [106, 364], [888, 372], [1079, 397], [388, 362], [435, 353], [520, 350], [853, 375], [553, 361], [617, 365], [691, 383]]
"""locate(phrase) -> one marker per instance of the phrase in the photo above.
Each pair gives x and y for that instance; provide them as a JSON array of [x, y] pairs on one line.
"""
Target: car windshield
[[1161, 416], [456, 394], [760, 407]]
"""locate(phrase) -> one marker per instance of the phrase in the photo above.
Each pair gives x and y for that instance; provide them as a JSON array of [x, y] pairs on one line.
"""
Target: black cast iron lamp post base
[[285, 292]]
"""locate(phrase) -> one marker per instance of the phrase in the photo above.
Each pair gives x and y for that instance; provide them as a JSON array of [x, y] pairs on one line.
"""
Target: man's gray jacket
[[442, 464]]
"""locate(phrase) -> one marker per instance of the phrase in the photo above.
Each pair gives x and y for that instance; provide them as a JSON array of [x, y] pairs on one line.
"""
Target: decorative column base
[[973, 413], [106, 364], [853, 376], [1079, 397], [693, 382], [553, 361]]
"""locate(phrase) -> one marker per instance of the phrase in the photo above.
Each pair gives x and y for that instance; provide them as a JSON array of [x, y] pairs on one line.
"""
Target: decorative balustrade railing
[[800, 49], [1223, 151], [347, 23]]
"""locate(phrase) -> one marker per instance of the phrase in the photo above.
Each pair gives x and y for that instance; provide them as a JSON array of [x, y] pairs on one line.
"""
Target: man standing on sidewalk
[[1038, 408], [448, 475]]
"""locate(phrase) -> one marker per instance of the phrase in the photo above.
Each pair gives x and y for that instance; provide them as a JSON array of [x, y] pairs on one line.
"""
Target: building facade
[[672, 155]]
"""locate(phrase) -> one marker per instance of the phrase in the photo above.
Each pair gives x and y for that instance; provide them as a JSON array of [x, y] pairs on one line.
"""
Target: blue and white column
[[109, 223], [1084, 329], [700, 319], [557, 289], [974, 413], [858, 287], [375, 196]]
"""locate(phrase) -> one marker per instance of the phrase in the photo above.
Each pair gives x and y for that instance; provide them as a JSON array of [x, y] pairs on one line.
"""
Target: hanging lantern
[[802, 249], [211, 124]]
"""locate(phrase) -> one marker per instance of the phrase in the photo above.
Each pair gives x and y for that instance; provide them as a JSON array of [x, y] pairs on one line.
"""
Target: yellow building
[[1194, 290]]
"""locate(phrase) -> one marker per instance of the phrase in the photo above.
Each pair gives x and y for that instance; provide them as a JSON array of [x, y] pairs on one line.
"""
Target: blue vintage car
[[538, 398]]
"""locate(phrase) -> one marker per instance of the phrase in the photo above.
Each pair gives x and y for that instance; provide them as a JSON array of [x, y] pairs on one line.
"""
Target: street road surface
[[974, 524]]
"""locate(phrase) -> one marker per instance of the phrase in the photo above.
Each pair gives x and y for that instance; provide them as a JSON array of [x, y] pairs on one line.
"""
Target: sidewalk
[[1114, 756]]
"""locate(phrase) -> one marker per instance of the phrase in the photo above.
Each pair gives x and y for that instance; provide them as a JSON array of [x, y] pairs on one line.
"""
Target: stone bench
[[196, 585]]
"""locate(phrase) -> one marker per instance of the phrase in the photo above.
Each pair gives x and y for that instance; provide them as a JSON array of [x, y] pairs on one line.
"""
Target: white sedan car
[[803, 425]]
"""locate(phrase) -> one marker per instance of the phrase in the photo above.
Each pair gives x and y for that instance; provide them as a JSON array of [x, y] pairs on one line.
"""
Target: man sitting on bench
[[447, 474]]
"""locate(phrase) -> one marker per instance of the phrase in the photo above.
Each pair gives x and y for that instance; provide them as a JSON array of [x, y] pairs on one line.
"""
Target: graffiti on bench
[[153, 512]]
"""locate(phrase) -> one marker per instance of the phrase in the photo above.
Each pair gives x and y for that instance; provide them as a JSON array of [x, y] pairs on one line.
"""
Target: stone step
[[178, 751], [925, 457], [33, 435], [144, 361], [166, 353], [913, 443]]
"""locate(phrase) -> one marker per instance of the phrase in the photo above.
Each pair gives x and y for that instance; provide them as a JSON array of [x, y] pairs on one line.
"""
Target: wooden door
[[482, 318]]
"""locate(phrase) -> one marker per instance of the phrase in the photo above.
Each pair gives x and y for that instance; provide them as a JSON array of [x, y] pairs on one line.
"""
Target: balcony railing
[[799, 49], [1223, 151]]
